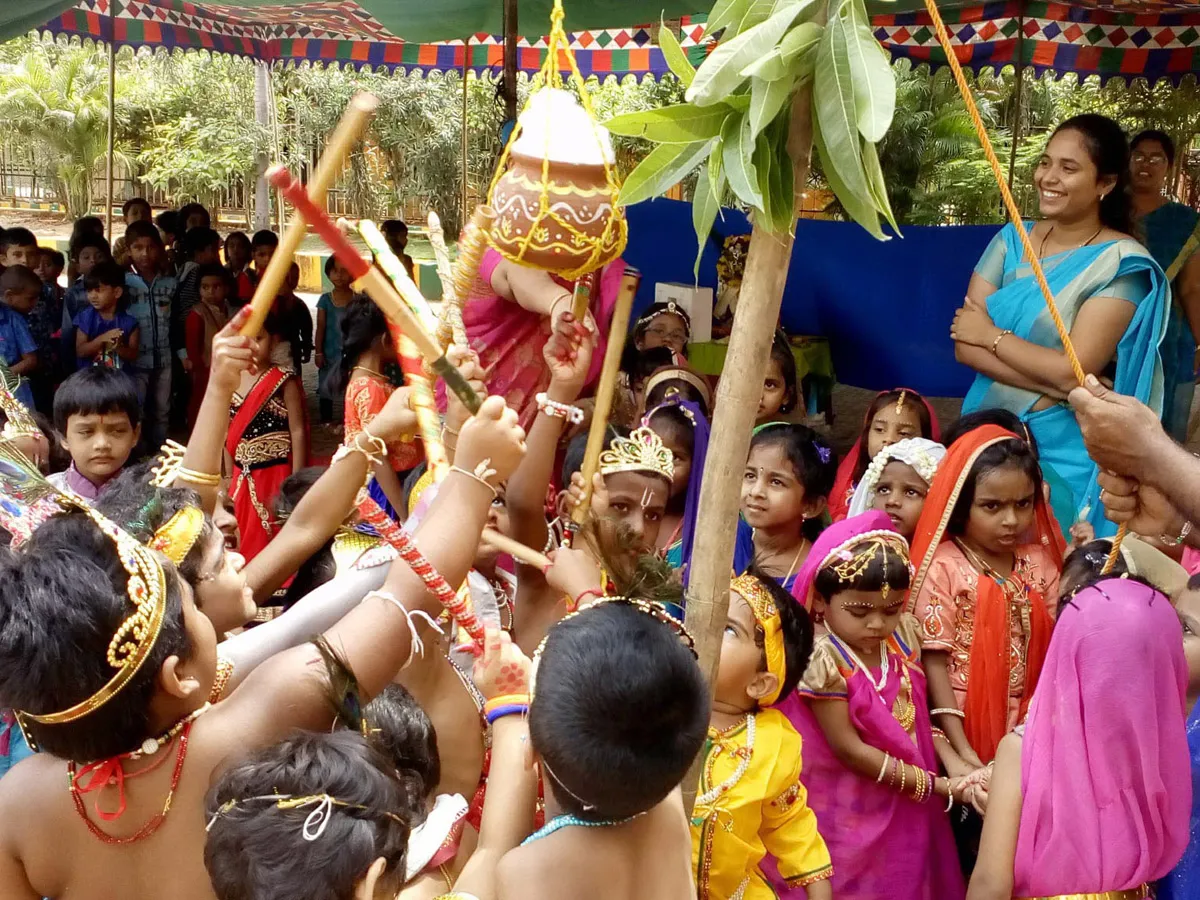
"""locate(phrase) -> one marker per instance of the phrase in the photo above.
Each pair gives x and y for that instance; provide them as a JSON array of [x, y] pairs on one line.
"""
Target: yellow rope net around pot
[[555, 204], [1014, 215]]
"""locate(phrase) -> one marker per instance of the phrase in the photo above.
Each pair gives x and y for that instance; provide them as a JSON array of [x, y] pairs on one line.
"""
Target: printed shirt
[[15, 342], [151, 304], [92, 324]]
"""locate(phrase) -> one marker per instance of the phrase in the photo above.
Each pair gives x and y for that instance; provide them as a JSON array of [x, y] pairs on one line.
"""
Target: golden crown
[[166, 468], [757, 596], [20, 421], [177, 536], [642, 451]]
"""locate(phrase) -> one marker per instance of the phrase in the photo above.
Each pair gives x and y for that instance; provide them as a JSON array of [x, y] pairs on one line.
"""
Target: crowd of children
[[926, 688]]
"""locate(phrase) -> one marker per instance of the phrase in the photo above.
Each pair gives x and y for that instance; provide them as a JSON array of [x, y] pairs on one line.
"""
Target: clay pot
[[563, 239]]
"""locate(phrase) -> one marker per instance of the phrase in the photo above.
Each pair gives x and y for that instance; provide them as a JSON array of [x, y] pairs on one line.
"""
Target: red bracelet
[[573, 605]]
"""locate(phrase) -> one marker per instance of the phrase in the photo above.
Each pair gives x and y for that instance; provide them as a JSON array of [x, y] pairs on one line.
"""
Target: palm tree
[[61, 107]]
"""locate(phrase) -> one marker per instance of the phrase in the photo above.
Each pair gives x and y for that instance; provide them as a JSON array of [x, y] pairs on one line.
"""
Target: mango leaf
[[870, 73], [724, 14], [783, 178], [768, 68], [663, 168], [801, 39], [860, 210], [680, 124], [834, 116], [721, 73], [877, 184], [716, 174], [673, 53], [737, 149], [805, 64], [739, 102], [767, 98], [758, 12], [705, 206], [763, 160]]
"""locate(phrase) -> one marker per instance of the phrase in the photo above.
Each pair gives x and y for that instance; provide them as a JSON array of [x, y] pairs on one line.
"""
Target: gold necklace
[[373, 372]]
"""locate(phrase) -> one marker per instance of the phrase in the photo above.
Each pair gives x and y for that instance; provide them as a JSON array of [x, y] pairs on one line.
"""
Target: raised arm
[[993, 875]]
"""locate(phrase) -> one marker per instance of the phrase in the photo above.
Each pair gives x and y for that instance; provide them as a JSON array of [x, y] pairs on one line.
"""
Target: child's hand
[[974, 789], [112, 336], [599, 494], [502, 668], [467, 363], [573, 573], [1082, 533], [35, 447], [231, 354], [568, 356], [397, 418], [492, 436]]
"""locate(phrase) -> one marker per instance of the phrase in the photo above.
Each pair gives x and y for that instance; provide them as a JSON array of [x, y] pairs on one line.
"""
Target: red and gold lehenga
[[260, 445]]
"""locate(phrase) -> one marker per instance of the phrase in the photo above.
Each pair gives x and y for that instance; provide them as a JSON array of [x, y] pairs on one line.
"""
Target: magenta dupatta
[[510, 338], [1105, 771], [884, 845]]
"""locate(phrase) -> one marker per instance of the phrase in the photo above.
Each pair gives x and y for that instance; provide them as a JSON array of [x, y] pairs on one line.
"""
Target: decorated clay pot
[[568, 236]]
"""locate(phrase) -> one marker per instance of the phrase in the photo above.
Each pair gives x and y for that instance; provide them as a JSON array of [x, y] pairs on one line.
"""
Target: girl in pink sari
[[509, 324], [870, 763], [1095, 797]]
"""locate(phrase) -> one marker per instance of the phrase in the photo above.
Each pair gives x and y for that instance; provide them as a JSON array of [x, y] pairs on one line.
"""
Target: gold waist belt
[[1140, 893]]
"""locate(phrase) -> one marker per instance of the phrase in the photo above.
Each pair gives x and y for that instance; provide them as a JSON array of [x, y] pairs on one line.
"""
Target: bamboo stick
[[517, 551], [341, 140], [605, 390], [738, 395]]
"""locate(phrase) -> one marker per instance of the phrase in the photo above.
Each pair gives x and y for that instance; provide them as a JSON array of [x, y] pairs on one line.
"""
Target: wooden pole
[[1018, 96], [112, 126], [737, 400], [510, 60], [466, 211]]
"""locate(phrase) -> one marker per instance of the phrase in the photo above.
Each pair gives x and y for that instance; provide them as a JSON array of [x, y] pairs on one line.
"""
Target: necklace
[[371, 371], [151, 826], [715, 793], [565, 821], [795, 560], [150, 746], [903, 709], [1050, 231], [1013, 588], [884, 663]]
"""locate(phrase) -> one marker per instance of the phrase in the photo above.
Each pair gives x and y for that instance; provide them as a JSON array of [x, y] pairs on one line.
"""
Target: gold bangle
[[1001, 336], [205, 479], [957, 713]]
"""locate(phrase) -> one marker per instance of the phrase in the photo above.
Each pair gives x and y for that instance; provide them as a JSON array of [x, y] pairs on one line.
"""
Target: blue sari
[[1165, 231], [1113, 269], [1184, 881]]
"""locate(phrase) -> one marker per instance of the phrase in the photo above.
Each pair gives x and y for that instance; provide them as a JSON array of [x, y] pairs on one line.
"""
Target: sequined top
[[267, 441], [739, 818], [365, 397], [946, 610]]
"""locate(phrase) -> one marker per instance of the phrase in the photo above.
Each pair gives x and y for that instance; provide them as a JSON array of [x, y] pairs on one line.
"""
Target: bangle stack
[[996, 343], [1169, 541], [506, 705], [204, 479], [923, 783], [554, 409], [938, 733]]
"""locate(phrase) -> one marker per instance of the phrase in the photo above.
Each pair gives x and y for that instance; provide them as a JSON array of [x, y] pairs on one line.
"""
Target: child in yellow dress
[[751, 801]]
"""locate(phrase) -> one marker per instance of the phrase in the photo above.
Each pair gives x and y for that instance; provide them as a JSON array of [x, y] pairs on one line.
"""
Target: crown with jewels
[[642, 451], [166, 466], [19, 420]]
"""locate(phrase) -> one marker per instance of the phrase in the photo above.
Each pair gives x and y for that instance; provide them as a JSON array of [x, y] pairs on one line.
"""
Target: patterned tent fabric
[[340, 32]]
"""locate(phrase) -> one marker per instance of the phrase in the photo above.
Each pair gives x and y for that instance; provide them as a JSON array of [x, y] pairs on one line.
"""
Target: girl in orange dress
[[367, 352]]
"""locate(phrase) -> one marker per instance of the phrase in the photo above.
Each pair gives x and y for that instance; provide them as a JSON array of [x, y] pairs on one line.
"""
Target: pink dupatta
[[1105, 770]]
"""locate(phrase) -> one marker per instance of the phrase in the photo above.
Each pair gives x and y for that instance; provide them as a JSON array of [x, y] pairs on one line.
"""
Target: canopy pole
[[466, 211], [112, 114], [262, 116], [510, 61], [1018, 96], [736, 405]]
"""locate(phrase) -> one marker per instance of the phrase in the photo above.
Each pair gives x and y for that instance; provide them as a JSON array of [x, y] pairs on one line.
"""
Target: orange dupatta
[[988, 687]]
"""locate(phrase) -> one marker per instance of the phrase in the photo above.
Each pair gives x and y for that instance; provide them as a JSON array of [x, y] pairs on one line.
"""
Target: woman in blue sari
[[1111, 294], [1166, 228]]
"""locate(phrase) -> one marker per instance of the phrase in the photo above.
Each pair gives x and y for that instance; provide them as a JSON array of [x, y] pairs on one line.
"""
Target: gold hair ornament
[[900, 401], [679, 373], [642, 451], [166, 468], [849, 565], [178, 535], [766, 614], [315, 822]]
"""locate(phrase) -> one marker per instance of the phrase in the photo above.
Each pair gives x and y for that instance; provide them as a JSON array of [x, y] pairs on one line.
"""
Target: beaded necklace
[[904, 711], [716, 792], [564, 821]]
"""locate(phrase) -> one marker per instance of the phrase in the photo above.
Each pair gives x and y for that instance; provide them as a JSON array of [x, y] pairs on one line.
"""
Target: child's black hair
[[812, 459], [141, 509], [646, 319], [19, 237], [84, 225], [885, 568], [20, 280], [104, 274], [264, 238], [577, 450], [55, 256], [884, 400], [215, 270], [168, 222], [256, 850], [98, 241], [239, 237], [410, 482], [1009, 452], [620, 712], [676, 387], [398, 725], [394, 229], [993, 416], [671, 422], [363, 324], [64, 598], [143, 229], [189, 209], [196, 239], [796, 627], [781, 355], [329, 264], [320, 567], [135, 201], [96, 390], [1084, 567], [638, 365]]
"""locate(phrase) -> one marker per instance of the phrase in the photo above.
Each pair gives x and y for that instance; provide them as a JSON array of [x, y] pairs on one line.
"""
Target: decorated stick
[[516, 550], [422, 403], [394, 269], [375, 283], [450, 323], [582, 296], [471, 246], [604, 393], [341, 139], [459, 607]]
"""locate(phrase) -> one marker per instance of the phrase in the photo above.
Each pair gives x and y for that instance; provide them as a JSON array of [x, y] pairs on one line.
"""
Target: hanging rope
[[1014, 215]]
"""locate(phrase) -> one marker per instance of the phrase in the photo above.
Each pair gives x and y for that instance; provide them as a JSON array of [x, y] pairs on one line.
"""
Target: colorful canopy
[[1118, 38]]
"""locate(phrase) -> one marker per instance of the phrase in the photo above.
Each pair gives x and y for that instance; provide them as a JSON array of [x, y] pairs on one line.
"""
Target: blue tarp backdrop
[[885, 307]]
